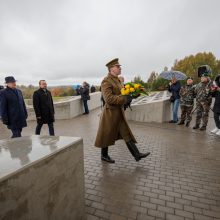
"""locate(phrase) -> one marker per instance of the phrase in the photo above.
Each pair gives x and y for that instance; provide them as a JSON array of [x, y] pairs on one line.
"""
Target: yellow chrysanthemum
[[132, 89], [123, 91], [136, 86], [127, 86], [127, 91]]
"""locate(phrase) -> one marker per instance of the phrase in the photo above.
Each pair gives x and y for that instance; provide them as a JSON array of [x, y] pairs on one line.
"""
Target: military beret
[[205, 74], [189, 77], [113, 63], [204, 70]]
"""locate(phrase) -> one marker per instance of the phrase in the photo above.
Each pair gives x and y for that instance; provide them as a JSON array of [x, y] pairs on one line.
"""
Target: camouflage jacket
[[203, 92], [187, 95]]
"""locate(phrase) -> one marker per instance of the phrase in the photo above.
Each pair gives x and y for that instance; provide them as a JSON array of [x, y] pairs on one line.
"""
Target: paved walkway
[[180, 180]]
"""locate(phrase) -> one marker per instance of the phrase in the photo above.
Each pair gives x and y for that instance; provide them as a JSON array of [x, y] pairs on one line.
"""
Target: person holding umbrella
[[174, 87]]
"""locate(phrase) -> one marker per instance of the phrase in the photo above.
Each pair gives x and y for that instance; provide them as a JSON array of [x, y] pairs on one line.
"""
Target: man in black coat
[[13, 109], [44, 108]]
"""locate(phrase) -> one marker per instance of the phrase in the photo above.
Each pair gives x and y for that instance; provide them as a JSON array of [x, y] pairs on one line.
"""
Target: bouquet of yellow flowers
[[133, 89]]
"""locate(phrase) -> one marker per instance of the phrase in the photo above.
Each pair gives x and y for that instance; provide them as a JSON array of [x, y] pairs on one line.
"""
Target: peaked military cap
[[113, 63]]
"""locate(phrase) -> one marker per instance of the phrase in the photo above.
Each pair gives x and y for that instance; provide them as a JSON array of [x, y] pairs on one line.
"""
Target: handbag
[[172, 98]]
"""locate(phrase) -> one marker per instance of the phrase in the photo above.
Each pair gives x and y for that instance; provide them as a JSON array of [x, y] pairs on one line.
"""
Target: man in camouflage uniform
[[187, 94], [203, 101]]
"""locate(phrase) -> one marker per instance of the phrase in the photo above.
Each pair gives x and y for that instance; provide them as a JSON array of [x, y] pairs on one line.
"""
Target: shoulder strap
[[112, 82]]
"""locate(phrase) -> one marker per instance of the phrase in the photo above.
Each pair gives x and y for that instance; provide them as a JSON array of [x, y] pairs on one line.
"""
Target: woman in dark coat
[[85, 96], [13, 109], [216, 108], [44, 108]]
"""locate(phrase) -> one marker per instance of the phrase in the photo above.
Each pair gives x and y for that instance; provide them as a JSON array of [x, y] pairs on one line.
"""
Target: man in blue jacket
[[13, 109], [174, 87]]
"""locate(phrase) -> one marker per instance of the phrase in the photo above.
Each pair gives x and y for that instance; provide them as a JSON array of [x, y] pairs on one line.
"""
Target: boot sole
[[107, 161], [139, 158]]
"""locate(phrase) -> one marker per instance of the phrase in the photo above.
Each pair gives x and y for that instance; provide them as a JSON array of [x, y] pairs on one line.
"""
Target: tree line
[[59, 91], [187, 65]]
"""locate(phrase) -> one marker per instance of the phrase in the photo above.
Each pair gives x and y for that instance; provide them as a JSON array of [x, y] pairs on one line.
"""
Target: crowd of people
[[202, 93], [113, 124]]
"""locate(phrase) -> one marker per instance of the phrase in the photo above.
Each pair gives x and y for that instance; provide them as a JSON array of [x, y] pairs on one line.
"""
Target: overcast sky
[[66, 42]]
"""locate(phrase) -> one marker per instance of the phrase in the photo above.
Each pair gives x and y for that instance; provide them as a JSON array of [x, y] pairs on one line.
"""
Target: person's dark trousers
[[16, 132], [217, 119], [39, 126], [86, 106]]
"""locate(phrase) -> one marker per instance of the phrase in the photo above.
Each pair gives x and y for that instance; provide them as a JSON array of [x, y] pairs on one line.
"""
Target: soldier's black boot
[[105, 157], [180, 123], [196, 126], [187, 123], [135, 152], [203, 128]]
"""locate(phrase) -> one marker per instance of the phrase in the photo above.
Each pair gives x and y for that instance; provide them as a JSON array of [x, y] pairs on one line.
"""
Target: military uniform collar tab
[[112, 76]]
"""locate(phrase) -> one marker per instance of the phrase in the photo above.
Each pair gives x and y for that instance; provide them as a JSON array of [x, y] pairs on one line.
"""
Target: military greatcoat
[[113, 125]]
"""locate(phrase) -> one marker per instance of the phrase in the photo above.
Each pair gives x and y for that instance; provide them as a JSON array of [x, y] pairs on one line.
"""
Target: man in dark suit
[[44, 108], [13, 109]]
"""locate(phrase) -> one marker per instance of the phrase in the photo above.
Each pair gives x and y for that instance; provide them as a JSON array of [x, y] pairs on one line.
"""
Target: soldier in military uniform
[[113, 125], [187, 94], [203, 101]]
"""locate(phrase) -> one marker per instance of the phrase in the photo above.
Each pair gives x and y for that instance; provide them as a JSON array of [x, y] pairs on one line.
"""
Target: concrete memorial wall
[[70, 108], [42, 178], [153, 108]]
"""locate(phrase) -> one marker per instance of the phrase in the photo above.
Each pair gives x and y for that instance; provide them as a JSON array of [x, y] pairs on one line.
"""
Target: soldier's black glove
[[136, 96], [5, 122], [128, 103]]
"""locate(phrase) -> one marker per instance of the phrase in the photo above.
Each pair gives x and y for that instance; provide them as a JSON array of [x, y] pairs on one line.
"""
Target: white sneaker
[[218, 133], [214, 130]]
